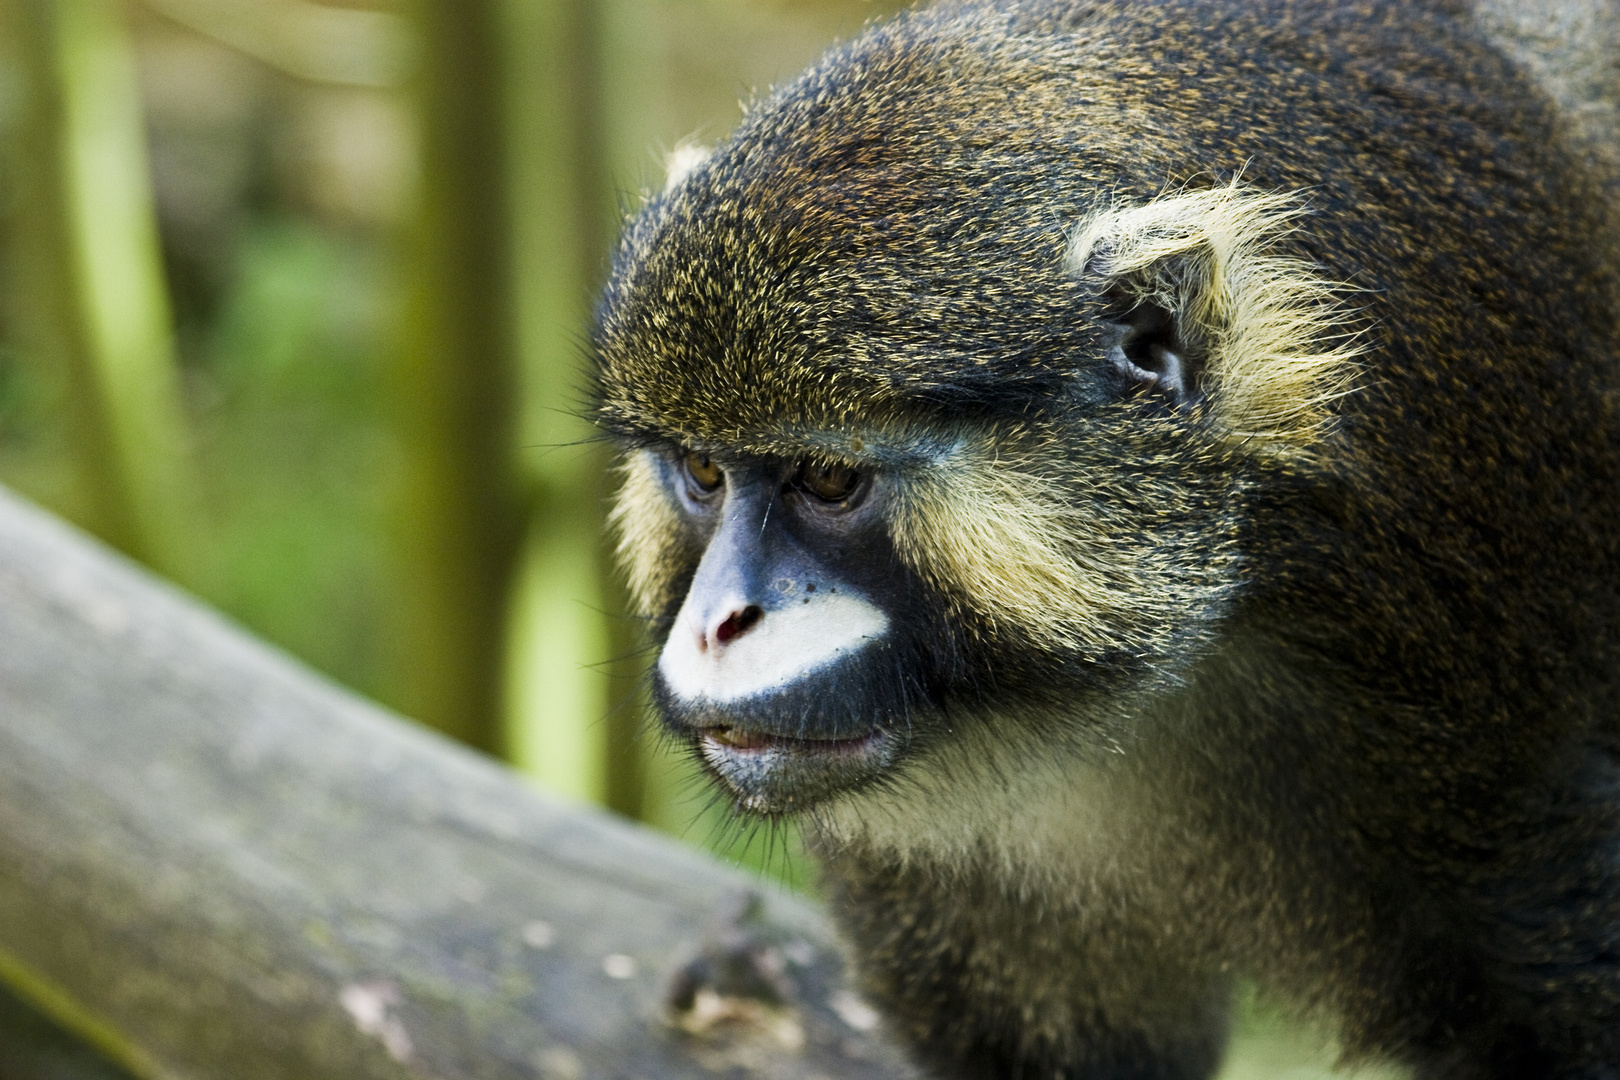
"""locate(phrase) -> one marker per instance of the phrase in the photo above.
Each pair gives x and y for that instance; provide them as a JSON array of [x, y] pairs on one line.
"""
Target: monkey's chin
[[777, 774]]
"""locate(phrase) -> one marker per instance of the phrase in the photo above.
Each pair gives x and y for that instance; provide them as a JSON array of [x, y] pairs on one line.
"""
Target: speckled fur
[[1312, 681]]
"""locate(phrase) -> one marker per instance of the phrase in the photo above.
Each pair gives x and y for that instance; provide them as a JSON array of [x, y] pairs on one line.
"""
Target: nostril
[[737, 624]]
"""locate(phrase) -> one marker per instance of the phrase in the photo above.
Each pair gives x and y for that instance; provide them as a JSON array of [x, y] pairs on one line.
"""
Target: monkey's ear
[[1203, 307], [1149, 351]]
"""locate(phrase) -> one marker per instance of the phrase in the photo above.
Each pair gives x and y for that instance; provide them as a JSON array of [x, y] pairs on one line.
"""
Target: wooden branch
[[33, 1047], [214, 863]]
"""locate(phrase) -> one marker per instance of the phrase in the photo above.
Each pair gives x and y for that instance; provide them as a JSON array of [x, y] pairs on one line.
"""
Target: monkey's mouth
[[781, 774], [741, 740]]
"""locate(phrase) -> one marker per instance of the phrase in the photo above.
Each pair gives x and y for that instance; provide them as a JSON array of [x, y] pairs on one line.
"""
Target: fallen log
[[216, 863]]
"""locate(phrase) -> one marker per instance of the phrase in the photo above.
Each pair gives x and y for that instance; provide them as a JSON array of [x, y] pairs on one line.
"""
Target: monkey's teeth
[[740, 740], [737, 739]]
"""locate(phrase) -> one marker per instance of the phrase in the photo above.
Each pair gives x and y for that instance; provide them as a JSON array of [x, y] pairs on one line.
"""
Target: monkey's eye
[[830, 483], [704, 474]]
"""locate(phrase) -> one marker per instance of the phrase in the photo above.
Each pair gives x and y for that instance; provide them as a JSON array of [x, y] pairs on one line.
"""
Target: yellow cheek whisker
[[647, 528]]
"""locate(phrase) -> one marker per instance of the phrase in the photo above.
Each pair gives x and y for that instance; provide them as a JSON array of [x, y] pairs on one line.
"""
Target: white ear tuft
[[1280, 342]]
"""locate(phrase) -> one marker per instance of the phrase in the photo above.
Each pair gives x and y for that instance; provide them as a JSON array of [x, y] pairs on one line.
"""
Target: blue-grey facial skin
[[783, 666]]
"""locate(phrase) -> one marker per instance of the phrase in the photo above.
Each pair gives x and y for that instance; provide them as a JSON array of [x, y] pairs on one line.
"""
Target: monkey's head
[[937, 419]]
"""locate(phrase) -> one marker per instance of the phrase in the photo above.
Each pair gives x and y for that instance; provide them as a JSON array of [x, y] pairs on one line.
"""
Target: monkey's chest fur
[[1045, 889]]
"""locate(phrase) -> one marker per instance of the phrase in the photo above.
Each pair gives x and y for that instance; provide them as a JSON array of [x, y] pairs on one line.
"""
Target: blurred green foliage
[[289, 426]]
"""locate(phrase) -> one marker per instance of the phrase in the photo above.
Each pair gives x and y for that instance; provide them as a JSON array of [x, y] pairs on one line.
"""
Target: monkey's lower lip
[[781, 774]]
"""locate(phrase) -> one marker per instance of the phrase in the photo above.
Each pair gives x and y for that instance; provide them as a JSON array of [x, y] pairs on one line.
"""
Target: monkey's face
[[790, 664], [830, 618]]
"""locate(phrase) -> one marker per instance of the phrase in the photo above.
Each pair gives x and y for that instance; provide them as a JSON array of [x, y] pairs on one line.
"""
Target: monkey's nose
[[733, 624]]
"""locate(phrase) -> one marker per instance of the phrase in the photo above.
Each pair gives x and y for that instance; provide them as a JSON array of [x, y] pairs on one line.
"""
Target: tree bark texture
[[214, 863]]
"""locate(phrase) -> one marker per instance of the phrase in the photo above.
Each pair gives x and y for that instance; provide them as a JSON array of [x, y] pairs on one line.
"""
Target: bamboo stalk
[[454, 388], [98, 303]]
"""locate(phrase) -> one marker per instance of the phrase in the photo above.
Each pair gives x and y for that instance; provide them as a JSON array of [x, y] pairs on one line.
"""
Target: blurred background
[[293, 308]]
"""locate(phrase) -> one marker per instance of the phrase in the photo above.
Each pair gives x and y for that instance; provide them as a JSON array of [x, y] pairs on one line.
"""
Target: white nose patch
[[785, 645]]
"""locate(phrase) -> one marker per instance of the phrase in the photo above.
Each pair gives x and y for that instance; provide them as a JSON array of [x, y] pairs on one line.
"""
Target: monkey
[[1137, 482]]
